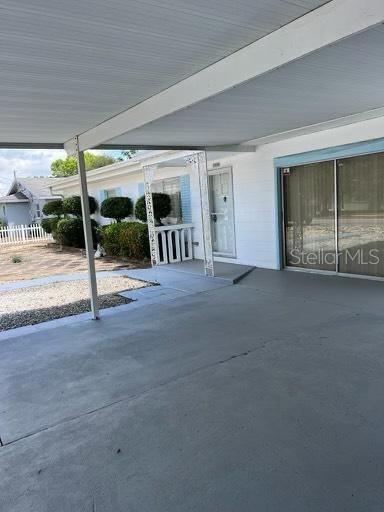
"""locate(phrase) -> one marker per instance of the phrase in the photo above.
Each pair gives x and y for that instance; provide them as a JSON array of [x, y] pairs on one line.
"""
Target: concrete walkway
[[263, 396]]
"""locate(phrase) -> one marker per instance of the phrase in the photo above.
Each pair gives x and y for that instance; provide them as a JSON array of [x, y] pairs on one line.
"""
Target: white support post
[[87, 231], [149, 172], [199, 164]]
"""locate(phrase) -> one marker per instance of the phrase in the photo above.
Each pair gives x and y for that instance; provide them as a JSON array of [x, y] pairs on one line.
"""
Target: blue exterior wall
[[16, 214]]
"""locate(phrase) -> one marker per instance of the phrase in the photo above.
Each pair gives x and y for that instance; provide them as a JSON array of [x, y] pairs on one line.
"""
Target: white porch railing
[[174, 243], [23, 234]]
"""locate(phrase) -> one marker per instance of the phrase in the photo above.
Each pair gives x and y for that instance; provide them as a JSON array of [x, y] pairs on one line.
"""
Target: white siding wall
[[254, 180]]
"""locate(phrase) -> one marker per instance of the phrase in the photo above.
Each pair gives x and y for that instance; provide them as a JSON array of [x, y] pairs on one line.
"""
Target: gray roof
[[19, 197], [37, 186]]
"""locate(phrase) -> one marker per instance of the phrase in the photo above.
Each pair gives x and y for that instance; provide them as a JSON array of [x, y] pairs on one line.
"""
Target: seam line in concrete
[[132, 398]]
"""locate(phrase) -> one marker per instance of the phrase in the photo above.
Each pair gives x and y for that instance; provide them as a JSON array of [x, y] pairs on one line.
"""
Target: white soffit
[[340, 80], [66, 66]]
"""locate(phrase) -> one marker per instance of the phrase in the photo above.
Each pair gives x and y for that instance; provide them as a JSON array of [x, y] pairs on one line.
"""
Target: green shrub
[[134, 241], [110, 238], [49, 224], [161, 207], [54, 207], [129, 239], [72, 205], [117, 208], [16, 259], [70, 232]]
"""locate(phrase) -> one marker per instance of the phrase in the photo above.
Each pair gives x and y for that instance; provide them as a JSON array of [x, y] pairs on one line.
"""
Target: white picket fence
[[23, 234]]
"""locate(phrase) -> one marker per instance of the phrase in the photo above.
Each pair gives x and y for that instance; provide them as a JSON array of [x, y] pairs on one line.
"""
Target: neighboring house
[[25, 199]]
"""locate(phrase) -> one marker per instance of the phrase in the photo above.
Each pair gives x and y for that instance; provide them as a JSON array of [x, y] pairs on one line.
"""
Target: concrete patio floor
[[262, 396]]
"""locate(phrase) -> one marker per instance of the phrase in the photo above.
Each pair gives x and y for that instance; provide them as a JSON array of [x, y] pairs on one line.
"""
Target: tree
[[63, 167], [70, 232], [161, 207], [72, 205], [54, 207], [117, 208]]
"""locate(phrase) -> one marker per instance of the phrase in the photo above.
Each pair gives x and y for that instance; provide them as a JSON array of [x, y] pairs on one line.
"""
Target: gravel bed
[[61, 293], [36, 316]]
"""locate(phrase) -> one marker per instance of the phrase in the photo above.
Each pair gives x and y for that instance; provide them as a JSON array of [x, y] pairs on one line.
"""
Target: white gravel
[[58, 294]]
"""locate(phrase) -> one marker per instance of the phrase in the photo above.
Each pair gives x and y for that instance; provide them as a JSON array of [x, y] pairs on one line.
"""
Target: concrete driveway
[[265, 396]]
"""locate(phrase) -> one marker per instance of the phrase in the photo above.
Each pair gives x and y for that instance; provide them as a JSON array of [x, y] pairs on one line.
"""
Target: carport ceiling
[[338, 81], [66, 68]]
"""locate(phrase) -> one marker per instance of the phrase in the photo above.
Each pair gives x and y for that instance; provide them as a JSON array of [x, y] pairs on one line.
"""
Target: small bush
[[54, 207], [129, 239], [70, 232], [117, 208], [16, 259], [161, 207], [49, 224], [134, 241], [110, 238], [72, 205]]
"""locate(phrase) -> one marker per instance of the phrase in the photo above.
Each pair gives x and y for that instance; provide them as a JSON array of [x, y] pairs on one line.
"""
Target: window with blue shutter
[[185, 198]]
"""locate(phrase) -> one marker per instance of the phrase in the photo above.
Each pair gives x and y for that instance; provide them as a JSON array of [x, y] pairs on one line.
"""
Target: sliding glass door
[[310, 216], [360, 185], [334, 215]]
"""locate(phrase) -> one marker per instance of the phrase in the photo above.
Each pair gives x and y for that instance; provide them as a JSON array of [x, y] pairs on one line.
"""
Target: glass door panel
[[309, 216], [222, 215], [360, 186]]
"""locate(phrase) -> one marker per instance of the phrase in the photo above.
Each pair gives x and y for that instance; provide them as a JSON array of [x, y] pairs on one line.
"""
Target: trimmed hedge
[[134, 241], [110, 238], [161, 207], [128, 239], [49, 224], [70, 232], [54, 207], [72, 205], [117, 208]]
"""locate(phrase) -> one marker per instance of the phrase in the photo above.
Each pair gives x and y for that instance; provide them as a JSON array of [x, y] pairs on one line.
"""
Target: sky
[[27, 162]]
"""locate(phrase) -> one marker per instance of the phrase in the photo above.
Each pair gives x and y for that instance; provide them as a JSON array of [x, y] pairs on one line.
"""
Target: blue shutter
[[185, 197], [141, 189], [102, 195]]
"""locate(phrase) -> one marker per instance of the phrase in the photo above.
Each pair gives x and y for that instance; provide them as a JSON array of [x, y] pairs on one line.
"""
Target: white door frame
[[220, 170]]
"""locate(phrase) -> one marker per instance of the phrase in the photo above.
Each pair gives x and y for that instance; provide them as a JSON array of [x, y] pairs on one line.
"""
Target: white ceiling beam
[[238, 148], [334, 21], [31, 145], [319, 127]]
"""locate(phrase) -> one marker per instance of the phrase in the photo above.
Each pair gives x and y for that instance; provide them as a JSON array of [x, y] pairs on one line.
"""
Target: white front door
[[222, 218]]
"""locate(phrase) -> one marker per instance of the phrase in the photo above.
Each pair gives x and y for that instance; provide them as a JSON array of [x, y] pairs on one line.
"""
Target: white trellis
[[21, 234], [149, 172], [198, 162]]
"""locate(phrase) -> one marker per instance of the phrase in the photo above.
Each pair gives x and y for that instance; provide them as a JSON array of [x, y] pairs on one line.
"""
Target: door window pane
[[221, 211], [360, 185], [310, 216]]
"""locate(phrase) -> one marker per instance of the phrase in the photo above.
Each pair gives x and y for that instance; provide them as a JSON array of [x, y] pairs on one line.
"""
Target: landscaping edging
[[37, 316]]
